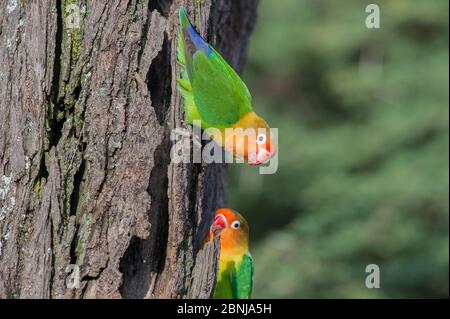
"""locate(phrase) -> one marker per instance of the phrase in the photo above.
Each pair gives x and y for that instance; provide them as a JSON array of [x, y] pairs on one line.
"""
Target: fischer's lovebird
[[215, 95], [235, 276]]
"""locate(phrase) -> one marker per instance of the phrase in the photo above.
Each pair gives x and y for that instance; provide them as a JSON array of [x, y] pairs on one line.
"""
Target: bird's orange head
[[252, 140], [233, 231]]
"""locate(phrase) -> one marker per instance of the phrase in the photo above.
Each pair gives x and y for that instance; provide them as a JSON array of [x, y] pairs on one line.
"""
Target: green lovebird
[[215, 95], [235, 275]]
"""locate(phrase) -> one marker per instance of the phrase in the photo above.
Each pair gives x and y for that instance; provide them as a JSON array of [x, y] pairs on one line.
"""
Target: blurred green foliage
[[363, 150]]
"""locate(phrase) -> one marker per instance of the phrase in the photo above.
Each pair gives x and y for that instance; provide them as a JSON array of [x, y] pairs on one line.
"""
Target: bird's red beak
[[219, 224], [262, 155]]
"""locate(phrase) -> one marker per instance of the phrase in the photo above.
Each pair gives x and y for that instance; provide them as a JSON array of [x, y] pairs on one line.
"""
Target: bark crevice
[[159, 81], [144, 258], [162, 6]]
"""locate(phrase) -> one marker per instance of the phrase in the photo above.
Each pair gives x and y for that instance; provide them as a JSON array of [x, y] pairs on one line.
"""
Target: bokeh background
[[363, 118]]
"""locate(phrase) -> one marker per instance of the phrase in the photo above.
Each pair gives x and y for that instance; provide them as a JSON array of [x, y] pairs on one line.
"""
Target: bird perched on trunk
[[235, 276], [215, 95]]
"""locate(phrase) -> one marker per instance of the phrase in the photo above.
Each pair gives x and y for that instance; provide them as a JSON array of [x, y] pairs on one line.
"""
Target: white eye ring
[[261, 139], [236, 224]]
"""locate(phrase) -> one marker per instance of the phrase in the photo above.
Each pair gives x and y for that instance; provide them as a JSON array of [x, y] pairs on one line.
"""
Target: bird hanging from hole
[[235, 275], [214, 94]]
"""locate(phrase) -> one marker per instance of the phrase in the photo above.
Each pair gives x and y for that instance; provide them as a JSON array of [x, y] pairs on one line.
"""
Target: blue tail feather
[[191, 36]]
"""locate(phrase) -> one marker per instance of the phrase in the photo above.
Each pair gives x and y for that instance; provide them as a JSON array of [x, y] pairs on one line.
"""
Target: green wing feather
[[212, 90], [235, 281], [219, 94], [242, 281]]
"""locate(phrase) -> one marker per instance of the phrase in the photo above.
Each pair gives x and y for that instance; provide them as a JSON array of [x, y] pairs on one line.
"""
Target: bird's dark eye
[[261, 139], [236, 224]]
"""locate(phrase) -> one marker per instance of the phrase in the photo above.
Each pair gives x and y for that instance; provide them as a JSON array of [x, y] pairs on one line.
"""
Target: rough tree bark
[[85, 173]]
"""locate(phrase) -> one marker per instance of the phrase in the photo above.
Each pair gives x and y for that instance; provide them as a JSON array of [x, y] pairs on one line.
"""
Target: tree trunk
[[87, 187]]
